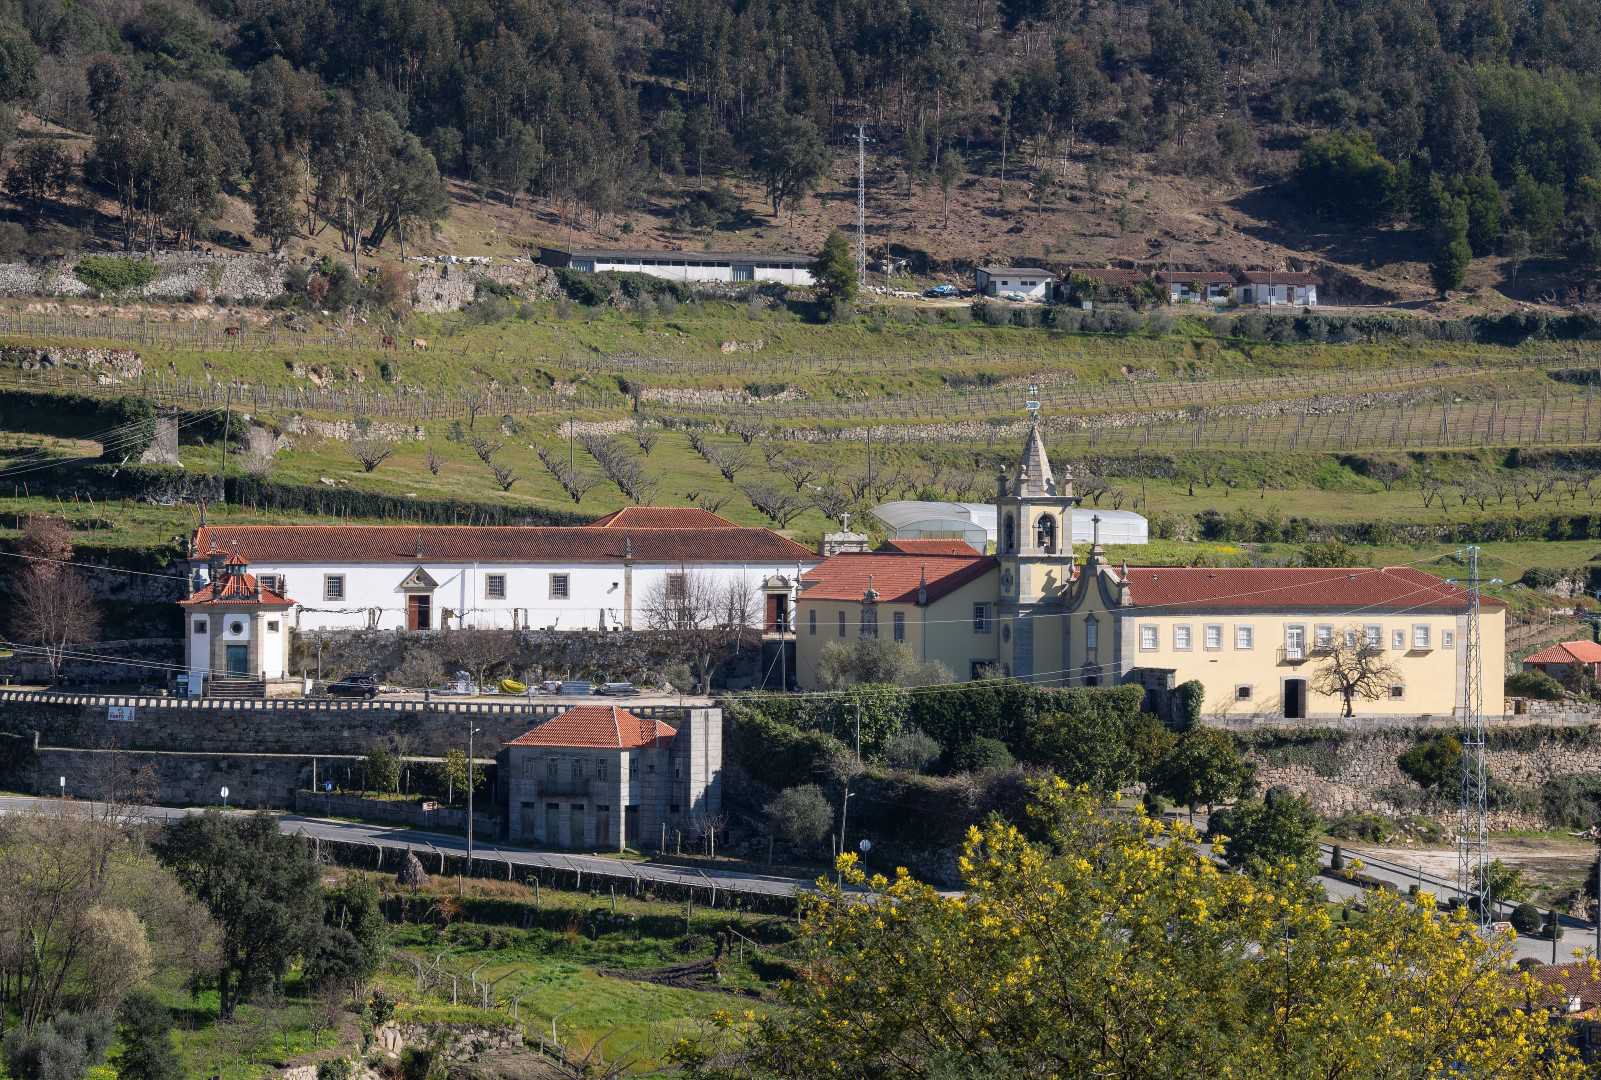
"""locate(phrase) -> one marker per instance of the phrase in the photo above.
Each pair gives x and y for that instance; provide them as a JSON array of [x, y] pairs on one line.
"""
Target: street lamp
[[471, 731]]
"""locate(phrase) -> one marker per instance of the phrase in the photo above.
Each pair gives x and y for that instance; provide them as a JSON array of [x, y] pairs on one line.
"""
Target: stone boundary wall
[[410, 813], [276, 726], [1358, 725], [254, 781], [1340, 772], [179, 276]]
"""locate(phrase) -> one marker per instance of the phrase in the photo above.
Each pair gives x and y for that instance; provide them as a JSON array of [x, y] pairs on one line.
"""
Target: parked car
[[1014, 297], [617, 689], [364, 685], [940, 292], [550, 686]]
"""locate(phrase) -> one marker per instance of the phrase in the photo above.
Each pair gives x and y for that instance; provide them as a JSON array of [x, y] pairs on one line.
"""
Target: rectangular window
[[271, 582], [675, 586], [1323, 637], [200, 626], [1447, 639], [559, 587], [1092, 634], [981, 618], [1373, 636], [1181, 638], [495, 586], [1398, 639], [1397, 693], [1213, 638], [1244, 637], [1350, 637], [333, 586], [811, 622], [600, 769], [1148, 638], [900, 626], [1295, 642], [550, 769], [869, 621], [841, 624], [272, 626], [1242, 693], [1420, 636]]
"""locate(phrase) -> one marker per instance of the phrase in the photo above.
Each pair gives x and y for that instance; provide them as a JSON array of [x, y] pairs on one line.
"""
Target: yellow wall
[[942, 631], [1431, 678]]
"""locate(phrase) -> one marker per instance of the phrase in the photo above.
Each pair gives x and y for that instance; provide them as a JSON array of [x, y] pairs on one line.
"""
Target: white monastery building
[[436, 577]]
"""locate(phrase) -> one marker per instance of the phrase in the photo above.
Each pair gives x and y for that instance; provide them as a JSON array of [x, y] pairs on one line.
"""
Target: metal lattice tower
[[861, 204], [1473, 837]]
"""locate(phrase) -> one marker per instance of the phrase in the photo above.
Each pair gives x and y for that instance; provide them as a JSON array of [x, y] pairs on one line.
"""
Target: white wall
[[788, 275], [994, 286], [595, 593]]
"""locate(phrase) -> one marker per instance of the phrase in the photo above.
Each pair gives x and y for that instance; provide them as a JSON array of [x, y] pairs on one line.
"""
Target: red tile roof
[[601, 727], [662, 517], [1276, 277], [930, 547], [1563, 981], [1353, 589], [1195, 277], [895, 577], [275, 544], [1567, 652], [237, 589]]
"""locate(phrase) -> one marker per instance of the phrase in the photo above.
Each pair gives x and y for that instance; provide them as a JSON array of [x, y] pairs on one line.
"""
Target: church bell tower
[[1034, 543]]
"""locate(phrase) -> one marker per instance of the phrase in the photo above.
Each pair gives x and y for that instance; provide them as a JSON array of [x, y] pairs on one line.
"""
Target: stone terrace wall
[[1346, 771], [179, 276], [253, 780], [286, 726]]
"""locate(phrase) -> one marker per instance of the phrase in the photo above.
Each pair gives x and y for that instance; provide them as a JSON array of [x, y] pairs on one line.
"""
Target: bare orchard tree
[[780, 507], [52, 607], [699, 617], [1354, 667], [371, 451]]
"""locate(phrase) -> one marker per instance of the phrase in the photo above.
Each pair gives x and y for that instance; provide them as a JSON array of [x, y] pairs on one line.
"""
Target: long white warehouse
[[732, 266]]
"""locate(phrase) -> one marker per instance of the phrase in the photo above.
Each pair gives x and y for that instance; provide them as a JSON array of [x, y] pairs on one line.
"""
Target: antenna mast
[[861, 203], [1473, 836]]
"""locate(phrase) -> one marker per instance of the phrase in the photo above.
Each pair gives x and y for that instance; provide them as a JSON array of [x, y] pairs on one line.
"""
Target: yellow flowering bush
[[1096, 944]]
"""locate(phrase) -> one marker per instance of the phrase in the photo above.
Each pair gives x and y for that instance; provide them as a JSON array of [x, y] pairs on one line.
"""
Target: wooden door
[[238, 659], [419, 611]]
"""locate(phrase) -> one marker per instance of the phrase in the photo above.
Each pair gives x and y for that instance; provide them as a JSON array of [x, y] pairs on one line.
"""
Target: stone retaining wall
[[284, 726], [179, 276], [174, 779]]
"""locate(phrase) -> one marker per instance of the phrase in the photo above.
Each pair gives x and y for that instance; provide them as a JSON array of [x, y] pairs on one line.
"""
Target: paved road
[[431, 844], [1578, 934]]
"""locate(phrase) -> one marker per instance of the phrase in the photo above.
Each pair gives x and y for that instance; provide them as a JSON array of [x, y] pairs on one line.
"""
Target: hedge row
[[81, 416]]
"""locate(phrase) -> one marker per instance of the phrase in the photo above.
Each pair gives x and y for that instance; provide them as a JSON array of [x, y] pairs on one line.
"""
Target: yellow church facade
[[1259, 640]]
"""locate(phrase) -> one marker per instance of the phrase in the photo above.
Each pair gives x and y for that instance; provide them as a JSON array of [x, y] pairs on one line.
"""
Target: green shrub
[[1572, 802], [114, 273], [1534, 684], [979, 754], [1526, 918], [773, 752]]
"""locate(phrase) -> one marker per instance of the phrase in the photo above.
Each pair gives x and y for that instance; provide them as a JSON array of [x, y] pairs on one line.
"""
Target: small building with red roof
[[604, 777], [1562, 660], [235, 626]]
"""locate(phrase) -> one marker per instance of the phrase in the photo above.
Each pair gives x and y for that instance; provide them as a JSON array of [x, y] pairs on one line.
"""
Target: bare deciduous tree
[[485, 449], [747, 430], [780, 507], [370, 451], [435, 462], [53, 607], [699, 617], [646, 437], [1352, 667], [730, 462], [504, 477]]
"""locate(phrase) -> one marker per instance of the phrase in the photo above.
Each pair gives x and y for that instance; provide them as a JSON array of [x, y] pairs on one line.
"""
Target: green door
[[238, 659]]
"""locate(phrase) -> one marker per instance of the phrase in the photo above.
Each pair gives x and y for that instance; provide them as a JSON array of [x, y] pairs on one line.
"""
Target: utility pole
[[222, 457], [861, 204], [1473, 840]]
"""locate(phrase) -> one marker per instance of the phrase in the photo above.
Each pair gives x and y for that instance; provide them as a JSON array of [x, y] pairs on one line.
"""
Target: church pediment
[[418, 579]]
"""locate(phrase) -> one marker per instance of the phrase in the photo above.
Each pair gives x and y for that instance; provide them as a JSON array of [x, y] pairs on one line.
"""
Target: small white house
[[1196, 287], [1030, 282], [1273, 287], [730, 266]]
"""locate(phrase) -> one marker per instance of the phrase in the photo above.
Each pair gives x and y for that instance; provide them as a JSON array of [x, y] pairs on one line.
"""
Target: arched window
[[1009, 535], [1045, 534], [869, 621]]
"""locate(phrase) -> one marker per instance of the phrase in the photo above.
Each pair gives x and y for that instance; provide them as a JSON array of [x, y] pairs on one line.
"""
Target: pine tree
[[1452, 253], [835, 274]]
